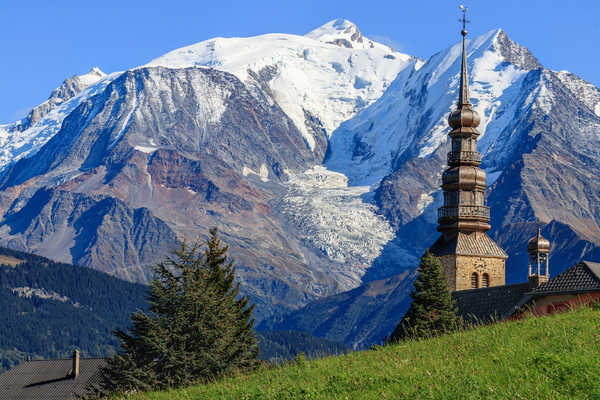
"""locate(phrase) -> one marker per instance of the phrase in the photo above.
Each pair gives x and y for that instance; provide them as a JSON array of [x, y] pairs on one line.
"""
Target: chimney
[[75, 370]]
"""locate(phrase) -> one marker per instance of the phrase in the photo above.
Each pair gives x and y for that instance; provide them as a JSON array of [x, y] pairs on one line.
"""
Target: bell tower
[[470, 258]]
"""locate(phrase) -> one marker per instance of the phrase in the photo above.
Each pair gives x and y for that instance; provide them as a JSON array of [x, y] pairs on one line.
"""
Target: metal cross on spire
[[464, 19]]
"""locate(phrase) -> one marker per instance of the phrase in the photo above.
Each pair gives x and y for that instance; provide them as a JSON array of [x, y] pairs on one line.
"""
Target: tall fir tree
[[197, 327], [432, 311]]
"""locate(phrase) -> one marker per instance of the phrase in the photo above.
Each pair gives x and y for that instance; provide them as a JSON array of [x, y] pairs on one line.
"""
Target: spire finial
[[464, 20], [463, 97]]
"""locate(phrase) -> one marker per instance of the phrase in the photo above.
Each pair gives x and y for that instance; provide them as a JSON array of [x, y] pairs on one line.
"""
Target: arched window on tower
[[474, 280], [485, 280]]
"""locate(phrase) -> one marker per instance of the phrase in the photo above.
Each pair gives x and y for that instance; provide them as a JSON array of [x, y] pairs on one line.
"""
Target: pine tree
[[432, 311], [197, 328]]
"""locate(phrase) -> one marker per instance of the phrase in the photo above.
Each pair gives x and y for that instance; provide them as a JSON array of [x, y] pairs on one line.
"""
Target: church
[[474, 265]]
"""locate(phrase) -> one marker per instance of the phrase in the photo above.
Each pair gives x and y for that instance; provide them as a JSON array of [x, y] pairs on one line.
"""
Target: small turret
[[538, 249]]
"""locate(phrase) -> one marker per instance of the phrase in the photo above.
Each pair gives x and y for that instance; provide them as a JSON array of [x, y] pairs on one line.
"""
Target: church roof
[[468, 244], [489, 304], [486, 305], [49, 379], [580, 278]]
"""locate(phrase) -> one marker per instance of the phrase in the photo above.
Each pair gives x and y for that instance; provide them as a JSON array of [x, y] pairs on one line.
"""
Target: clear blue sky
[[43, 42]]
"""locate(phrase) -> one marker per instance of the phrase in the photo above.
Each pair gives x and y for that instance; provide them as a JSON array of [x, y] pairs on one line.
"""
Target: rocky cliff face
[[162, 154], [319, 157]]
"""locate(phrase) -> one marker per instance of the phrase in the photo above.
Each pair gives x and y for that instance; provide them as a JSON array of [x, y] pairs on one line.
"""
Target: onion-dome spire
[[538, 243], [464, 116]]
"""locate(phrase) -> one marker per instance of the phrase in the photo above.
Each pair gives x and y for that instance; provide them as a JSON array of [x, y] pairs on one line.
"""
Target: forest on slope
[[50, 308]]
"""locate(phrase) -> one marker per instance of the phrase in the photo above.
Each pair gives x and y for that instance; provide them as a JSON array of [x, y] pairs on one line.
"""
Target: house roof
[[485, 305], [468, 244], [49, 379], [580, 278]]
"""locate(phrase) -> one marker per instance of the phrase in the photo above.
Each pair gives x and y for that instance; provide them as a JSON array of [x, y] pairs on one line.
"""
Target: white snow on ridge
[[15, 144], [395, 123], [91, 77], [330, 81], [344, 33], [585, 91]]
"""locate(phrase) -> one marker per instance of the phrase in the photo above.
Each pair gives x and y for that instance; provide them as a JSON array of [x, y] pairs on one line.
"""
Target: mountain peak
[[341, 32], [514, 53]]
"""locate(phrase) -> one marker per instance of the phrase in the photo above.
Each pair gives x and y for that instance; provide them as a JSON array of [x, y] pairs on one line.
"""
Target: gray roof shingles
[[485, 305], [581, 278], [49, 379]]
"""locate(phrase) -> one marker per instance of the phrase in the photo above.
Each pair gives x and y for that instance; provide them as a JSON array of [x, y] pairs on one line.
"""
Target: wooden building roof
[[468, 244], [49, 379]]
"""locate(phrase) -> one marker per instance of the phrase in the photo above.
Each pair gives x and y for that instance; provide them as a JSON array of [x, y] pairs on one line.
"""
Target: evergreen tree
[[432, 311], [197, 328]]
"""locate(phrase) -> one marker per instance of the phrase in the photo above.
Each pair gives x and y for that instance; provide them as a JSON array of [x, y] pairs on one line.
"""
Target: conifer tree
[[432, 311], [197, 328]]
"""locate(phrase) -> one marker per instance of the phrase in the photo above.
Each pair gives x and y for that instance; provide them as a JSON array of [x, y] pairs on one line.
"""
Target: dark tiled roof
[[472, 244], [485, 305], [580, 278], [49, 379]]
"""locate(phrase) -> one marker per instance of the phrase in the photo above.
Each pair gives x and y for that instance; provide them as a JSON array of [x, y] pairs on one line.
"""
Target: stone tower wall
[[458, 270], [449, 268]]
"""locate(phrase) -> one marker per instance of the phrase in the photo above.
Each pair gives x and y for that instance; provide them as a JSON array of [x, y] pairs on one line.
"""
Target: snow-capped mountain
[[319, 80], [319, 157], [218, 133], [411, 116]]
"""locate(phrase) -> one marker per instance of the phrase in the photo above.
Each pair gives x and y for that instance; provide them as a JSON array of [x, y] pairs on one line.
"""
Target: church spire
[[463, 96], [470, 258], [464, 183]]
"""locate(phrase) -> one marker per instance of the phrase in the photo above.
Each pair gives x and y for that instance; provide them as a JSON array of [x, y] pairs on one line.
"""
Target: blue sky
[[43, 42]]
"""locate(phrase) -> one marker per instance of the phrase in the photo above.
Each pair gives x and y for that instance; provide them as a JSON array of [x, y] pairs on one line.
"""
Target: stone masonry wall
[[467, 265], [458, 270]]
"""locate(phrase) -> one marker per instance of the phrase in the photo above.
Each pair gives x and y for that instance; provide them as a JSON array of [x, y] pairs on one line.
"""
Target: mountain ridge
[[319, 162]]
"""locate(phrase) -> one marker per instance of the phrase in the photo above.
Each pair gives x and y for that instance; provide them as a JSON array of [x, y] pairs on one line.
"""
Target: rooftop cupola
[[538, 249]]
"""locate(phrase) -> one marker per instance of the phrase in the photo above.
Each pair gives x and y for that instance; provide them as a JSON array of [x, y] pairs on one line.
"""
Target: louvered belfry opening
[[485, 280], [474, 280]]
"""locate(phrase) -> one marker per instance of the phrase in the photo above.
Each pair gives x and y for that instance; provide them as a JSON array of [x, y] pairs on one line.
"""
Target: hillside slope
[[49, 308], [556, 357]]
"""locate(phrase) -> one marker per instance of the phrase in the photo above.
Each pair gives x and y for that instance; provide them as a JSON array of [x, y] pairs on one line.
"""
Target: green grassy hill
[[555, 357]]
